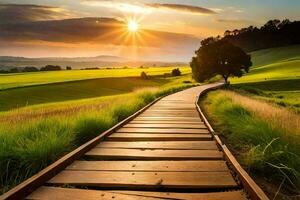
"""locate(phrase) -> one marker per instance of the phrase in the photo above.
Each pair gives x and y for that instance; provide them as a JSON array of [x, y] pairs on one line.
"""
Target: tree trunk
[[225, 79]]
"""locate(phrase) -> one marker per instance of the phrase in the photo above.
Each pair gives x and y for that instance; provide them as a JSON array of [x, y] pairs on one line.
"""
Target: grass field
[[258, 116], [65, 91], [265, 137], [37, 78], [53, 119], [275, 77]]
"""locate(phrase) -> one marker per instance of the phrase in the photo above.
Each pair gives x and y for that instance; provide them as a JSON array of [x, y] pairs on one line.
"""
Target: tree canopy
[[274, 33], [219, 57]]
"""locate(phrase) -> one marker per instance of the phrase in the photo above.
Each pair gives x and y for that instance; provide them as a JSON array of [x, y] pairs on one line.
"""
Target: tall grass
[[266, 137], [30, 141]]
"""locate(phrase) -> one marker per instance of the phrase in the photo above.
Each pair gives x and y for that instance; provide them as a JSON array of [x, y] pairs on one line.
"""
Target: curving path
[[166, 152]]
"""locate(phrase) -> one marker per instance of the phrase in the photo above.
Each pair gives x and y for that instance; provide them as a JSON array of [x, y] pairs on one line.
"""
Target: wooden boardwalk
[[166, 152]]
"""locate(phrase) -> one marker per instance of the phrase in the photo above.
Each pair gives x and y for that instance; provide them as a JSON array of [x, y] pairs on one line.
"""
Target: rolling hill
[[275, 76]]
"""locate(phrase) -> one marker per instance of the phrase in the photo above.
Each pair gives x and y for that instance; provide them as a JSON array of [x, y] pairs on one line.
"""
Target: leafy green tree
[[219, 57], [176, 72], [144, 75]]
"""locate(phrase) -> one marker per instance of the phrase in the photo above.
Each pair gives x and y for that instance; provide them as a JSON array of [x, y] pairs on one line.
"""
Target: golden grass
[[279, 118]]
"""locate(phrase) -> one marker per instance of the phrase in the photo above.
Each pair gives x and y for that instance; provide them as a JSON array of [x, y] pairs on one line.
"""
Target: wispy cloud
[[183, 8], [235, 21], [10, 13], [150, 7], [102, 31]]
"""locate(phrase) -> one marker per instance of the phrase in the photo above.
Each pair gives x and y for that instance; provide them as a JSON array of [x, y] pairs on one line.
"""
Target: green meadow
[[258, 116], [51, 117], [37, 78], [66, 91], [275, 78]]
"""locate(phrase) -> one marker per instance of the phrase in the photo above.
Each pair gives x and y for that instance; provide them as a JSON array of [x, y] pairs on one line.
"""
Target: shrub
[[51, 68], [176, 72], [68, 68], [144, 75], [30, 69]]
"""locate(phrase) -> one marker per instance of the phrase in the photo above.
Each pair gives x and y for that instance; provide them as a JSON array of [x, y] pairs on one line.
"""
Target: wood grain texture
[[163, 130], [178, 125], [204, 145], [150, 154], [151, 166], [146, 180], [56, 193], [158, 137]]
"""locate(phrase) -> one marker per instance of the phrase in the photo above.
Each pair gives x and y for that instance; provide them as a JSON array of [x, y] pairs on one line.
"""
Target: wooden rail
[[164, 151]]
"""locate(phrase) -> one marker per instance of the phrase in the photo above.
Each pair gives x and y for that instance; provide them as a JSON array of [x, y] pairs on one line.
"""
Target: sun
[[133, 26]]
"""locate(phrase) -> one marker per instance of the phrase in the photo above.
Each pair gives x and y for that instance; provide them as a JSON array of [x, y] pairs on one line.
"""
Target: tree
[[219, 57], [144, 75], [68, 68], [30, 69], [176, 72], [14, 70], [50, 68]]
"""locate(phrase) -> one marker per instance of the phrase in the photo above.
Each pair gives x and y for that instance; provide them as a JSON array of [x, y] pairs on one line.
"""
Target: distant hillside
[[274, 33], [104, 58], [273, 64], [8, 62], [268, 56]]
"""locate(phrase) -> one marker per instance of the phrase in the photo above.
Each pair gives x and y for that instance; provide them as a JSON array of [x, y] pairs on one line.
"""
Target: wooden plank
[[184, 119], [50, 193], [158, 137], [148, 114], [230, 195], [153, 154], [56, 193], [146, 180], [164, 122], [204, 145], [194, 111], [163, 130], [170, 166], [192, 126], [174, 109], [177, 108]]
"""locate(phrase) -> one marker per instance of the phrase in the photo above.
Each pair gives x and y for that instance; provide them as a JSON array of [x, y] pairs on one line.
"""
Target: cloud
[[101, 31], [146, 8], [235, 21], [11, 13], [183, 8]]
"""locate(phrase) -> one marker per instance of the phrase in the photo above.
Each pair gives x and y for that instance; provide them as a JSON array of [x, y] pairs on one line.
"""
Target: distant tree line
[[274, 33], [34, 69]]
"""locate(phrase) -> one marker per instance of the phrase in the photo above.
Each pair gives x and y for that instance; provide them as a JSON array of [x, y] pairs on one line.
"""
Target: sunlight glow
[[133, 26]]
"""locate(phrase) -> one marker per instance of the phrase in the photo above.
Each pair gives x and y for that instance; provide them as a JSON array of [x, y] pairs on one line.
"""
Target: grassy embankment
[[275, 78], [34, 136], [259, 118]]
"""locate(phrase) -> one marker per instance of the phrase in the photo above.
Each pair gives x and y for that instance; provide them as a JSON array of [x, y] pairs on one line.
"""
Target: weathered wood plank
[[158, 137], [175, 108], [169, 114], [165, 122], [157, 166], [56, 193], [184, 119], [153, 154], [204, 145], [141, 125], [231, 195], [150, 180], [163, 130]]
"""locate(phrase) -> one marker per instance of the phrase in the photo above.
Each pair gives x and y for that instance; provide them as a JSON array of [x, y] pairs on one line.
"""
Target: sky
[[164, 30]]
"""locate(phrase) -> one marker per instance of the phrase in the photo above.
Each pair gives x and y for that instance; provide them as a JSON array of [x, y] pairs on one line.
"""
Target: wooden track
[[165, 152]]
